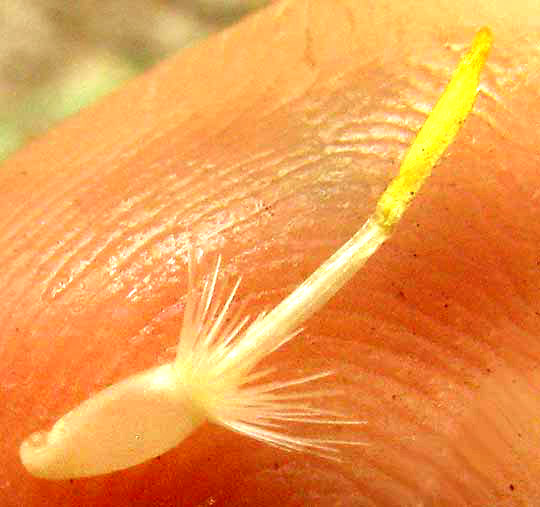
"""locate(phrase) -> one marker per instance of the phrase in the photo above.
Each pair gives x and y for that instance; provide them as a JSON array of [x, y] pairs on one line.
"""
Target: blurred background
[[57, 56]]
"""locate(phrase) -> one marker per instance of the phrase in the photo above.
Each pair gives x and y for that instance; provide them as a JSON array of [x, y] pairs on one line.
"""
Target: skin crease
[[269, 144]]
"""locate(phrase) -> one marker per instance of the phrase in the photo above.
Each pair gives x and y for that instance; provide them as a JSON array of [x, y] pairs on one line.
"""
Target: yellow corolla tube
[[439, 130], [215, 375]]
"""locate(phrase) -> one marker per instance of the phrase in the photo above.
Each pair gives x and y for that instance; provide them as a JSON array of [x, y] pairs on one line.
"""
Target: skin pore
[[270, 144]]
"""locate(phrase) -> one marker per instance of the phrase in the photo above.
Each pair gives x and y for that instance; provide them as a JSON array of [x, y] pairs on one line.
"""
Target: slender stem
[[439, 130]]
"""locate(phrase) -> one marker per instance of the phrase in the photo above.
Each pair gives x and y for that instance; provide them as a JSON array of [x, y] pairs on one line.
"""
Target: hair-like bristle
[[235, 397]]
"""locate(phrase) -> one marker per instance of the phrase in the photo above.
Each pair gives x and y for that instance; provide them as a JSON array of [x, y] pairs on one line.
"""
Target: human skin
[[269, 143]]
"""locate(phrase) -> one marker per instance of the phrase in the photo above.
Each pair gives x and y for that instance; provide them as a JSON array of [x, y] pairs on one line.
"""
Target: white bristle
[[212, 341]]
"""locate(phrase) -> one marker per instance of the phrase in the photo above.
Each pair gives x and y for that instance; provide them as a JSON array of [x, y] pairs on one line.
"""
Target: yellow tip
[[439, 130]]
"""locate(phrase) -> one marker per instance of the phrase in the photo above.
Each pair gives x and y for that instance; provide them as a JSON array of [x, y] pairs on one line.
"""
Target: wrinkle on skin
[[274, 163]]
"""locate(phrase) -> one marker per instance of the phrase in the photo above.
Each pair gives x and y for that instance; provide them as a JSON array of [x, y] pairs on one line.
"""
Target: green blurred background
[[57, 56]]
